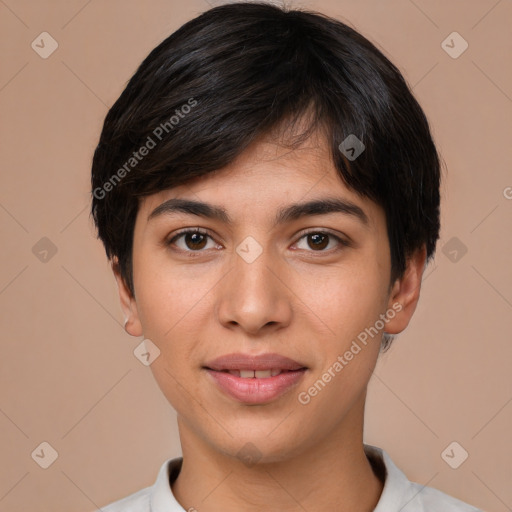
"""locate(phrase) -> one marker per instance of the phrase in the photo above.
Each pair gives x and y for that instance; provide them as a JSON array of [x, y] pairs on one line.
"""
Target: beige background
[[68, 374]]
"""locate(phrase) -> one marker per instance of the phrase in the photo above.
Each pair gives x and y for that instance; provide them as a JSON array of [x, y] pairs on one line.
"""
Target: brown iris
[[320, 240], [197, 240]]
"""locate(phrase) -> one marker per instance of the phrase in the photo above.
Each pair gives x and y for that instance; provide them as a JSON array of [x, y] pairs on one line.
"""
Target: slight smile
[[254, 379]]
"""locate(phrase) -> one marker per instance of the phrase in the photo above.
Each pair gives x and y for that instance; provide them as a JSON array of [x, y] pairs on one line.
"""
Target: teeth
[[258, 374], [262, 374]]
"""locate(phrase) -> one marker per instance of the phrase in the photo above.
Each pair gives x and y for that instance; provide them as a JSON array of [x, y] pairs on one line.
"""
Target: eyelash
[[341, 241]]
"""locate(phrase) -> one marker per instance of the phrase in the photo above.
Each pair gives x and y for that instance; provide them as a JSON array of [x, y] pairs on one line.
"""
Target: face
[[260, 278]]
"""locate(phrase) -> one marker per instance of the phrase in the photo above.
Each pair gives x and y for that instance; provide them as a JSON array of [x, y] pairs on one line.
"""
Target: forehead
[[267, 176]]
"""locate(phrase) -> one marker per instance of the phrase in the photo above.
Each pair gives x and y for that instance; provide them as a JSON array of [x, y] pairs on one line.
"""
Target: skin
[[296, 299]]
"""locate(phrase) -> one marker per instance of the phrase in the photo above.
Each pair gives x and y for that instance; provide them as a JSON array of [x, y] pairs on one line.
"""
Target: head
[[253, 109]]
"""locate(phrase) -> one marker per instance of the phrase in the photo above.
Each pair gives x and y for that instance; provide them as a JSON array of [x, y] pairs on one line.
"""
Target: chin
[[261, 448]]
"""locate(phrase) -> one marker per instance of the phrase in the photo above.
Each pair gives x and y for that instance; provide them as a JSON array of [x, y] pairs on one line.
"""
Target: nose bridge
[[253, 296], [252, 272]]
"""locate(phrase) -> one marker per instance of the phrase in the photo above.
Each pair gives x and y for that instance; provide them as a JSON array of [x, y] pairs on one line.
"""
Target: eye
[[196, 240], [319, 240], [193, 240]]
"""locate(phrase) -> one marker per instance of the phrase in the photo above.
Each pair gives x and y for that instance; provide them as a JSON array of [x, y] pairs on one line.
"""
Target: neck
[[333, 473]]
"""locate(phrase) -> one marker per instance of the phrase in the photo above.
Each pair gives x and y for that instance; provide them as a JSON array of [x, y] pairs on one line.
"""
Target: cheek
[[174, 309], [348, 300], [170, 298], [172, 321], [348, 354]]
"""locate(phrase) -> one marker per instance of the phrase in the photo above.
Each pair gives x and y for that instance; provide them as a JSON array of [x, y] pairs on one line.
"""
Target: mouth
[[255, 379]]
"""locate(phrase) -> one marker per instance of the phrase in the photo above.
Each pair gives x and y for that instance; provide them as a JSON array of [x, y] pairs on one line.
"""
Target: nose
[[253, 295]]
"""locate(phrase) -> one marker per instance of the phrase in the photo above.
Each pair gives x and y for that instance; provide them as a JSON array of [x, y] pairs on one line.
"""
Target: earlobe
[[132, 323], [406, 292]]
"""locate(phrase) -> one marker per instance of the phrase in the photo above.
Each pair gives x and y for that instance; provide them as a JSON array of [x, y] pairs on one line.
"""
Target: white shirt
[[398, 495]]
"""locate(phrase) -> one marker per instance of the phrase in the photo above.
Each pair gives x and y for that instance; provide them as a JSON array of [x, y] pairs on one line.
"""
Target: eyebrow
[[290, 213]]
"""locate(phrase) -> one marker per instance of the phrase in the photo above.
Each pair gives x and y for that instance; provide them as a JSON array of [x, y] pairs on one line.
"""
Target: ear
[[406, 292], [132, 324]]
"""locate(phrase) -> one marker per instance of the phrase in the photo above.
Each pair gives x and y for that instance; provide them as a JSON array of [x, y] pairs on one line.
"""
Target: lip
[[239, 361], [255, 390]]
